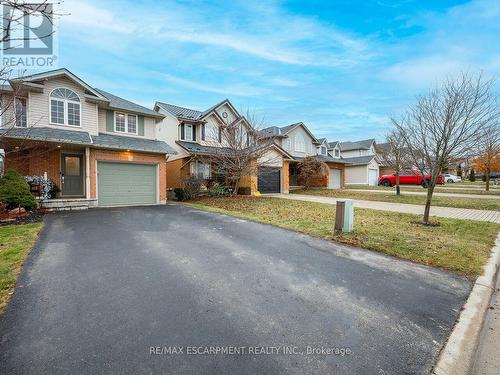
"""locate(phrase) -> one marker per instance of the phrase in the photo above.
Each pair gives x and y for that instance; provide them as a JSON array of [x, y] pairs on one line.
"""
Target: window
[[120, 122], [65, 107], [337, 153], [132, 124], [188, 132], [20, 109], [300, 144], [199, 169], [125, 123], [323, 150]]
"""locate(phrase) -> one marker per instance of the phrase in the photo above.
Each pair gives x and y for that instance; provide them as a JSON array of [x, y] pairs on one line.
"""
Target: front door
[[72, 175]]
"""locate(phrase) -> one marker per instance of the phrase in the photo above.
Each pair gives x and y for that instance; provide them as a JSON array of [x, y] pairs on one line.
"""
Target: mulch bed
[[7, 218]]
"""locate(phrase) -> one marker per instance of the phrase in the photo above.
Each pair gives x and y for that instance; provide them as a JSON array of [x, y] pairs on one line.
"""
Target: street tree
[[446, 124]]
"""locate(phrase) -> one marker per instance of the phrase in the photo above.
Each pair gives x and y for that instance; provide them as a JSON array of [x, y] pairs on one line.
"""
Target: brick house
[[98, 148], [196, 137]]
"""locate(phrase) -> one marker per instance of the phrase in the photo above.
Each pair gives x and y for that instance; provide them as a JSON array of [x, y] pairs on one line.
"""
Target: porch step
[[295, 188], [66, 204]]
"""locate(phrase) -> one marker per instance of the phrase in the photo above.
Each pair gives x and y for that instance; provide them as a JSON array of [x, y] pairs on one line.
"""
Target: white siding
[[271, 158], [290, 143], [38, 106], [167, 131]]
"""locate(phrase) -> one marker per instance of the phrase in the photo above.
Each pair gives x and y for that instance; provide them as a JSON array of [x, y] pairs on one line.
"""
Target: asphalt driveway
[[109, 291]]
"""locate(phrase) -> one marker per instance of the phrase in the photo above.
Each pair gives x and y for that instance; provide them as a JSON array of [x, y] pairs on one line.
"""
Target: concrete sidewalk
[[436, 193], [488, 353], [448, 212]]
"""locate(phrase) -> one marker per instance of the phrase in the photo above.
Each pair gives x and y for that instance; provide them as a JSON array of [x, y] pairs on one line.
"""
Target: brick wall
[[35, 162], [127, 156]]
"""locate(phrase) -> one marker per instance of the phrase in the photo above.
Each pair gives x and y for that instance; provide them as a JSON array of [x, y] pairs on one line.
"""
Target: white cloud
[[264, 34], [235, 90]]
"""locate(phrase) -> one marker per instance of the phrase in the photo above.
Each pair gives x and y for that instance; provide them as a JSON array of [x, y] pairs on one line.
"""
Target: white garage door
[[334, 179], [124, 184], [372, 177]]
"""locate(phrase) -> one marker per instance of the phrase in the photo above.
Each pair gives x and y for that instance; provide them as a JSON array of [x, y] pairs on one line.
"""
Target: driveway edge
[[458, 355]]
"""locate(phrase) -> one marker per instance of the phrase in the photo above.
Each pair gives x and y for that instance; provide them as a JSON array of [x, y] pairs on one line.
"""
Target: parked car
[[409, 178], [452, 178]]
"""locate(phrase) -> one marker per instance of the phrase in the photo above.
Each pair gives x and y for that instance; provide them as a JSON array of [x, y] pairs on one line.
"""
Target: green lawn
[[479, 204], [438, 189], [457, 245], [15, 243]]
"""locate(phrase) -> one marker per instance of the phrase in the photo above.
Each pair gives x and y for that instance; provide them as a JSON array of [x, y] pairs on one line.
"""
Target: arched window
[[64, 107]]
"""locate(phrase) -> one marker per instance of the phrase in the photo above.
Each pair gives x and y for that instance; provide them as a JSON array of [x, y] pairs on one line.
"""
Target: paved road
[[103, 286], [449, 212], [438, 194]]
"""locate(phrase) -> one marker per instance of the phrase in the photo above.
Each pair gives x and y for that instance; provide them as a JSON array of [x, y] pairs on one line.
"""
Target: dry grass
[[15, 243], [478, 204]]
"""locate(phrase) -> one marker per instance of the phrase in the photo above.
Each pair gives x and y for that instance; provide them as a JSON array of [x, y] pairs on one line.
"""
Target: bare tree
[[489, 156], [238, 147], [13, 19], [14, 34], [395, 155], [446, 124]]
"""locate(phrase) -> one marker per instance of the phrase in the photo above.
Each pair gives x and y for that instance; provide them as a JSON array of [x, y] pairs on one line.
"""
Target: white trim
[[87, 172], [64, 72], [15, 114], [126, 115], [157, 183], [65, 108]]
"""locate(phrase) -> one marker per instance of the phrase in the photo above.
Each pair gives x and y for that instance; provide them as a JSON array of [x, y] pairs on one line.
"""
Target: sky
[[342, 67]]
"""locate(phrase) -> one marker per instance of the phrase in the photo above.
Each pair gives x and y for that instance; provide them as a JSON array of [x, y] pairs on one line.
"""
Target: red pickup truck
[[408, 178]]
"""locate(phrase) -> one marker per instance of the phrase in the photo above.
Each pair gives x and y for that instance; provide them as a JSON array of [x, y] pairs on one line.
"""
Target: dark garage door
[[269, 180]]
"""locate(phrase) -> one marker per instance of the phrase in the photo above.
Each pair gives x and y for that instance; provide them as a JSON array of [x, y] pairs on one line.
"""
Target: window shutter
[[202, 132], [194, 132], [182, 131], [220, 134], [110, 121], [140, 125]]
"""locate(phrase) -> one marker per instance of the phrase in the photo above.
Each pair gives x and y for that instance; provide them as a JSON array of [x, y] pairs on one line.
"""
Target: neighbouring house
[[197, 139], [384, 167], [98, 148], [299, 142], [363, 166]]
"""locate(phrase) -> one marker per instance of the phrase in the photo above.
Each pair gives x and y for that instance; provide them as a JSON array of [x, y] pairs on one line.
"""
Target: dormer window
[[337, 153], [125, 123], [188, 132], [323, 150], [65, 107]]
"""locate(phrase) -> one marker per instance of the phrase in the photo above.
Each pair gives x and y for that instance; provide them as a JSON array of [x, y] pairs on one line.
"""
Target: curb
[[458, 355]]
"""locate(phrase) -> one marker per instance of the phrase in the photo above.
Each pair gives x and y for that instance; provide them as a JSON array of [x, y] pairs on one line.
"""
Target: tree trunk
[[428, 200], [398, 188], [236, 187], [488, 179]]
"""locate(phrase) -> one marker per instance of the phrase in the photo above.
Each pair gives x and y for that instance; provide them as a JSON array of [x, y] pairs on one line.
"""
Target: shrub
[[180, 194], [244, 190], [15, 191], [217, 190], [192, 187]]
